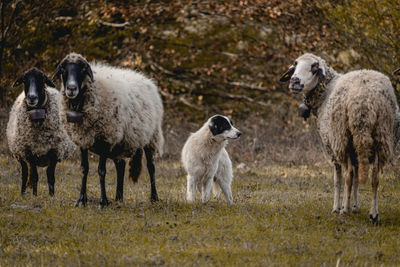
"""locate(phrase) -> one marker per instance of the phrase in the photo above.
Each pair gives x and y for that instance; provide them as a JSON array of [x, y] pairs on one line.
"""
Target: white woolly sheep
[[113, 112], [35, 134], [355, 118]]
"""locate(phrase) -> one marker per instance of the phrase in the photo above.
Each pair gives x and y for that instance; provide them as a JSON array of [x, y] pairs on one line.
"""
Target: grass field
[[281, 216]]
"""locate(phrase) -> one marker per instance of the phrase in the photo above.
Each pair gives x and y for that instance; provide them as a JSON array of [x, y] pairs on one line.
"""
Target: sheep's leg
[[33, 177], [102, 175], [356, 206], [120, 166], [50, 175], [206, 189], [337, 180], [347, 191], [85, 170], [373, 213], [24, 170], [191, 189], [150, 167]]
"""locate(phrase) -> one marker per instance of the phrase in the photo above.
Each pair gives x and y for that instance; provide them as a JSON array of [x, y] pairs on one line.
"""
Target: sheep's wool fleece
[[121, 106], [23, 134], [359, 103]]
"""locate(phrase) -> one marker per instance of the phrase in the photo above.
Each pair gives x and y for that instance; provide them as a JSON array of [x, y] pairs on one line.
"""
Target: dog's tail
[[216, 189]]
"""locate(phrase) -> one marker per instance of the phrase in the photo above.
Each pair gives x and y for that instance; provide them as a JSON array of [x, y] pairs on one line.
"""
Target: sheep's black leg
[[24, 168], [150, 166], [120, 166], [50, 174], [34, 177], [102, 175], [85, 170]]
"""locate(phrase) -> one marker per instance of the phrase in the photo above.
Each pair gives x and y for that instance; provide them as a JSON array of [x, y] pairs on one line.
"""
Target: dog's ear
[[288, 74], [18, 81], [316, 70], [48, 81]]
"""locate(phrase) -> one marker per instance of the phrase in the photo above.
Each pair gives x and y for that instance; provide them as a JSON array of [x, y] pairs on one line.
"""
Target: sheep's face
[[73, 75], [34, 82], [304, 74], [222, 128]]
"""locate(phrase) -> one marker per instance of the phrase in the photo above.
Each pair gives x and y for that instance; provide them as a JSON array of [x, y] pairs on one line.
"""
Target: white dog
[[206, 161]]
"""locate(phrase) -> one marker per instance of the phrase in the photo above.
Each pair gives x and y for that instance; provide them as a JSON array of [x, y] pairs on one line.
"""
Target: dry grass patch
[[281, 215]]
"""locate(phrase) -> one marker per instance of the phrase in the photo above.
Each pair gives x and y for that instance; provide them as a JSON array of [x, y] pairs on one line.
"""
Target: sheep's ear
[[396, 72], [288, 74], [89, 72], [19, 80], [321, 75], [316, 70], [58, 70], [48, 81]]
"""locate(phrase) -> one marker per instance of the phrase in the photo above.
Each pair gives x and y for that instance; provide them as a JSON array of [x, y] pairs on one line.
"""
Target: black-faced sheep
[[35, 134], [113, 112], [355, 118]]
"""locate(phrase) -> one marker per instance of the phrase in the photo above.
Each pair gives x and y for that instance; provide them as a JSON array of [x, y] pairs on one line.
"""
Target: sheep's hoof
[[374, 220], [51, 190], [81, 201], [355, 209], [104, 202], [154, 198]]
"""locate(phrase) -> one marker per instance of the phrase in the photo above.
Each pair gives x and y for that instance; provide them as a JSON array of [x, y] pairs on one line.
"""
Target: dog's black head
[[221, 126], [73, 70], [34, 81]]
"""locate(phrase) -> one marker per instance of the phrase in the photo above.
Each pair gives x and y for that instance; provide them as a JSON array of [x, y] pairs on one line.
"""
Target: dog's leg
[[191, 189], [226, 189], [206, 189]]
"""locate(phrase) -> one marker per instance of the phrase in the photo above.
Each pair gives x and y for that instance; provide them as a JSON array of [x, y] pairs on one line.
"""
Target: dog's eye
[[231, 122]]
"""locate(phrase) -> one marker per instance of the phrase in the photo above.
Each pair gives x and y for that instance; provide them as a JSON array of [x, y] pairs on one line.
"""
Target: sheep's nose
[[71, 87], [32, 97], [295, 80]]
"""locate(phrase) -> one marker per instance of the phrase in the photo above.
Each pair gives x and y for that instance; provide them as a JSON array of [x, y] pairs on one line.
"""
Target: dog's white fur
[[208, 164]]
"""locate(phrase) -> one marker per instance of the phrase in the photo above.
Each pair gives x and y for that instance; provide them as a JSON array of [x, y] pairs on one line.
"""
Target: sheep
[[35, 134], [113, 112], [355, 120]]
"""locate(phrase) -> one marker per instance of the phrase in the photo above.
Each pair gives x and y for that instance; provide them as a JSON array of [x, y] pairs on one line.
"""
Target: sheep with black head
[[35, 134], [115, 113]]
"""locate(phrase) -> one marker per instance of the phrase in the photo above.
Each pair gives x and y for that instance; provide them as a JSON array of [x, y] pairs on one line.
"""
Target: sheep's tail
[[135, 165], [363, 145]]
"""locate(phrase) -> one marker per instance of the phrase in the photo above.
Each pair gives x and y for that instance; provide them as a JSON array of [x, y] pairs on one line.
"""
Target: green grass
[[280, 216]]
